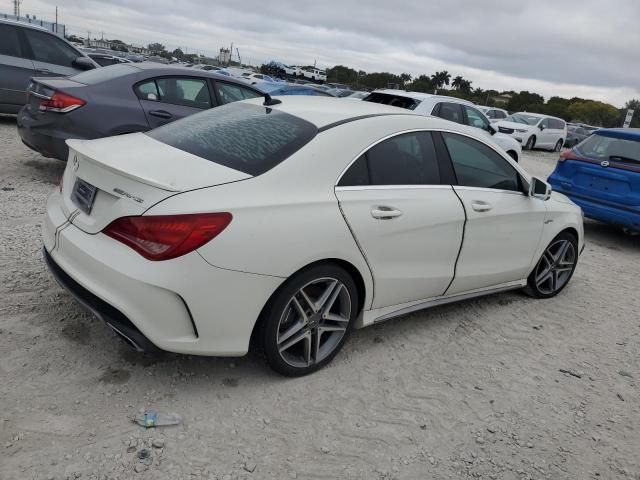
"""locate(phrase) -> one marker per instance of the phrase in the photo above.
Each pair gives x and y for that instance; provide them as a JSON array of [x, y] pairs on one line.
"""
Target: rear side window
[[188, 92], [449, 111], [612, 149], [10, 44], [475, 118], [249, 138], [48, 48], [477, 165], [99, 75], [407, 159]]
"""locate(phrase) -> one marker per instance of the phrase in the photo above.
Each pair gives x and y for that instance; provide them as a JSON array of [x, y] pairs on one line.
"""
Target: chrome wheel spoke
[[310, 303], [292, 341], [562, 251], [544, 277], [295, 328], [327, 299], [331, 328], [332, 317]]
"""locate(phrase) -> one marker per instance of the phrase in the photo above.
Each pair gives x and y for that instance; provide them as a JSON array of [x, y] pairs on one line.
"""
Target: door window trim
[[444, 163]]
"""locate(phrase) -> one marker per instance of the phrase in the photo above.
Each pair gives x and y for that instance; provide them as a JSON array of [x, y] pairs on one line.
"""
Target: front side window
[[449, 111], [475, 118], [10, 44], [545, 123], [48, 48], [477, 165], [230, 92], [407, 159], [499, 114]]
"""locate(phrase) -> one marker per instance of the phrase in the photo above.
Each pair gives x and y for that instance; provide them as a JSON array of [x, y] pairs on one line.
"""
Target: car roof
[[623, 133], [327, 111], [538, 115], [25, 25], [154, 68]]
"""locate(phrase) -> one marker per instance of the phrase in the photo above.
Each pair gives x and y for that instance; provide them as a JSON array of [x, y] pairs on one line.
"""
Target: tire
[[558, 146], [555, 268], [531, 143], [513, 155], [296, 344]]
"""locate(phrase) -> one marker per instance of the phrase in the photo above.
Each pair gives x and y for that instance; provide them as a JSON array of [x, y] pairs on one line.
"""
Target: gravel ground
[[473, 390]]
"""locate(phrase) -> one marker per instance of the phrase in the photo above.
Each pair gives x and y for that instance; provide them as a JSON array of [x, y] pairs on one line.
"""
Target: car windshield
[[525, 119], [613, 149], [99, 75], [249, 138]]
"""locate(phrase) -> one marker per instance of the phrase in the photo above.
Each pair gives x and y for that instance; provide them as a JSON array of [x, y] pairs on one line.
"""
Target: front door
[[504, 225], [51, 56], [407, 223]]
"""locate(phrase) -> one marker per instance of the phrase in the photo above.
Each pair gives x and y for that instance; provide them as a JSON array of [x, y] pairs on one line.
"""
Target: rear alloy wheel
[[308, 320], [555, 268], [530, 143], [558, 146]]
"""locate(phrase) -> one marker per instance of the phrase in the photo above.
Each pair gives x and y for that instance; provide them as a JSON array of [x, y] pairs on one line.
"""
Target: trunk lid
[[121, 176], [42, 88]]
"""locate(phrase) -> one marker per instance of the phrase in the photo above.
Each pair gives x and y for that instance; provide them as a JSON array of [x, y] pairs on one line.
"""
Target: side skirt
[[370, 317]]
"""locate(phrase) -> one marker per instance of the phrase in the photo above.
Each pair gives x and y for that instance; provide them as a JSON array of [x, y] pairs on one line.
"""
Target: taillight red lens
[[163, 237], [61, 103], [568, 155]]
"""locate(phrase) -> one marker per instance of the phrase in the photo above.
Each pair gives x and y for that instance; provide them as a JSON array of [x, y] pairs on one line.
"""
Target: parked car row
[[534, 130]]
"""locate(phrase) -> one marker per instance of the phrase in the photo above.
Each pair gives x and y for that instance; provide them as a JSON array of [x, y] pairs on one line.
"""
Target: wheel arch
[[349, 267]]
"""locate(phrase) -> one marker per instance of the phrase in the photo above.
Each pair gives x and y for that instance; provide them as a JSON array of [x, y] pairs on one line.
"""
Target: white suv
[[314, 74], [534, 130], [449, 108]]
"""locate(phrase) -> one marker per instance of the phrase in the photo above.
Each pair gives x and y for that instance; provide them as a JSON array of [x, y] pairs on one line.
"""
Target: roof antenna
[[268, 101]]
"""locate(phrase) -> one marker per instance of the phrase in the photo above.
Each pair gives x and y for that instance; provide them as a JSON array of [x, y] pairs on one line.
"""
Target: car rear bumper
[[43, 139], [183, 305], [607, 213]]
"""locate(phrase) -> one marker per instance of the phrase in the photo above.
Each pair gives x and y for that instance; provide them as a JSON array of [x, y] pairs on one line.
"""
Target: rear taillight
[[568, 155], [163, 237], [61, 103]]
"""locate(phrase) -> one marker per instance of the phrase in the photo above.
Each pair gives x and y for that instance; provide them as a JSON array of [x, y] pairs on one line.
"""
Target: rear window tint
[[612, 149], [249, 138], [102, 74]]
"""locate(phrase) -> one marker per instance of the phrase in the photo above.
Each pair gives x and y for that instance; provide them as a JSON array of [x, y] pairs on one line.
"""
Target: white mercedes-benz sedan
[[286, 223]]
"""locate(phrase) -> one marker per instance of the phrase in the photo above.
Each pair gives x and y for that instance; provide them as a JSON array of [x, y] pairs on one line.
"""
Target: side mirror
[[84, 63], [539, 189], [541, 127], [492, 129]]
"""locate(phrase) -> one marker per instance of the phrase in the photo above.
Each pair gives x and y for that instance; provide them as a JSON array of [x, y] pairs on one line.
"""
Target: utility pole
[[230, 53], [56, 19], [16, 7]]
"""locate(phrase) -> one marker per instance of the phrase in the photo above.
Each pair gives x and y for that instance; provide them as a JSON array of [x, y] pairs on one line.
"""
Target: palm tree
[[441, 78], [457, 82], [465, 86]]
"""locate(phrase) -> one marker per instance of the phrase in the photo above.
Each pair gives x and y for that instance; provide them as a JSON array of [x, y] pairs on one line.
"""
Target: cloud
[[555, 48]]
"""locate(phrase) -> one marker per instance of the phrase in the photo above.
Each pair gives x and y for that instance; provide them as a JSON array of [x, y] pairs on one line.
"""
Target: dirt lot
[[474, 390]]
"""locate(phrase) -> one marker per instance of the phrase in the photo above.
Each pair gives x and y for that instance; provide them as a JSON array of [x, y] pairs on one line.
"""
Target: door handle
[[382, 212], [43, 70], [160, 114], [480, 206]]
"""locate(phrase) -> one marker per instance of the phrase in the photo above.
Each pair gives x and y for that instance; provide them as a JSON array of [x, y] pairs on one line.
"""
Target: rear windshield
[[612, 149], [394, 100], [249, 138], [102, 74]]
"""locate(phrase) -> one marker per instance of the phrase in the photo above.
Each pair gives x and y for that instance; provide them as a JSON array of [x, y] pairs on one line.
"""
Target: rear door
[[405, 217], [503, 226], [51, 55], [165, 99], [15, 69]]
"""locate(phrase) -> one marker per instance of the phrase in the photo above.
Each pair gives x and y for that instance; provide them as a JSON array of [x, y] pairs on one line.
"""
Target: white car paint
[[494, 114], [428, 105], [207, 301], [545, 131], [314, 74]]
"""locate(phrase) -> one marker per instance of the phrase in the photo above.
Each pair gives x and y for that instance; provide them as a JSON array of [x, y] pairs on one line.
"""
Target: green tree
[[178, 53], [457, 82], [405, 78], [423, 83], [156, 48], [525, 101], [441, 78], [595, 113]]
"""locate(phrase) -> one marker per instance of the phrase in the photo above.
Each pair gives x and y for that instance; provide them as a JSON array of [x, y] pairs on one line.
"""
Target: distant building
[[57, 28], [502, 99], [224, 56]]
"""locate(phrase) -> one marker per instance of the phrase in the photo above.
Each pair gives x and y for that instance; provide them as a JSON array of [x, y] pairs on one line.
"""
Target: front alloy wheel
[[530, 143], [309, 320], [558, 146], [555, 268]]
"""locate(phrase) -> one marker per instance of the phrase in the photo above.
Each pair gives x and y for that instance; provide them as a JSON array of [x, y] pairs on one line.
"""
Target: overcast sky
[[586, 48]]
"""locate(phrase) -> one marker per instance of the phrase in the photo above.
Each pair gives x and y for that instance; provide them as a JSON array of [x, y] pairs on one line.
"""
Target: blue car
[[602, 175], [278, 88]]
